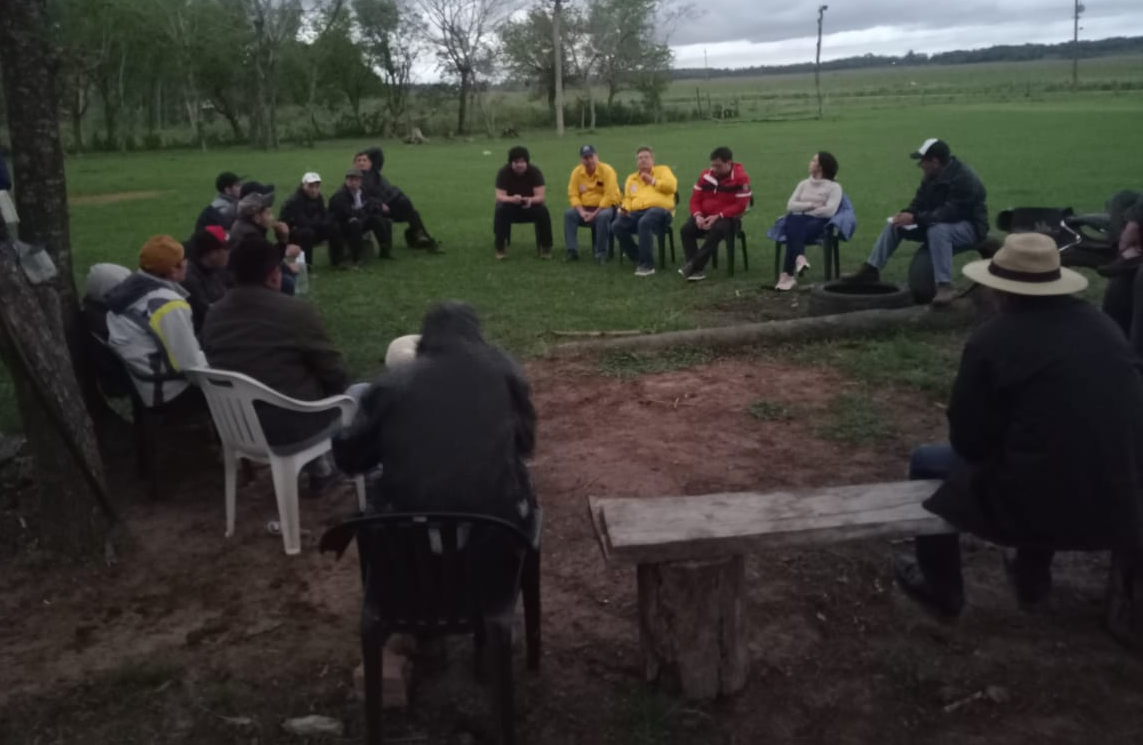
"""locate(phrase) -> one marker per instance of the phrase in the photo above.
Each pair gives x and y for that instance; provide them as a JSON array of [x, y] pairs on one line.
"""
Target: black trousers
[[507, 215], [723, 229], [353, 235], [939, 559], [402, 210], [309, 237]]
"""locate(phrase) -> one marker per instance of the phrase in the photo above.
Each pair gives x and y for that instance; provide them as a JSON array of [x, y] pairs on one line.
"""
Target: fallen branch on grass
[[961, 313], [623, 332]]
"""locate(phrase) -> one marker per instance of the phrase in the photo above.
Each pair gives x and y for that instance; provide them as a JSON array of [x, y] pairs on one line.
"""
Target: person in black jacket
[[1046, 431], [948, 213], [355, 214], [224, 209], [207, 278], [393, 202], [310, 224], [451, 428], [256, 217]]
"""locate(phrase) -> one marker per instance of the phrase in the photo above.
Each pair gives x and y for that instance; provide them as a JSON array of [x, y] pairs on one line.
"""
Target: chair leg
[[372, 660], [671, 241], [500, 636], [778, 260], [359, 484], [730, 255], [663, 249], [530, 588], [230, 464], [745, 261], [285, 472]]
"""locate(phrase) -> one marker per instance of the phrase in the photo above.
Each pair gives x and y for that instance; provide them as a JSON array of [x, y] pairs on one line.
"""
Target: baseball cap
[[160, 254], [586, 150], [311, 177], [356, 172], [253, 203], [255, 187], [931, 148], [225, 180]]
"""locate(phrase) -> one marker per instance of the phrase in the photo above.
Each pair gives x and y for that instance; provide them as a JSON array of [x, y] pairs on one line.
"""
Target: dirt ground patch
[[112, 197], [191, 628]]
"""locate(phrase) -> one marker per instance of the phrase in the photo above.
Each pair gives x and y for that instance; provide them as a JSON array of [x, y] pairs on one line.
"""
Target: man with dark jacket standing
[[355, 214], [393, 202], [719, 199], [310, 224], [948, 213], [1046, 431], [451, 428]]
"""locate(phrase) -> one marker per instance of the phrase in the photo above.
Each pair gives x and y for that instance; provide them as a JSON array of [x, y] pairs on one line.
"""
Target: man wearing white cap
[[1045, 430], [948, 213], [310, 224]]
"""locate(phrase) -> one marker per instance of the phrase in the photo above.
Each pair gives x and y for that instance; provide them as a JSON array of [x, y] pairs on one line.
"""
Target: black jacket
[[452, 428], [1047, 410], [341, 205], [374, 184], [206, 286], [300, 212], [953, 195]]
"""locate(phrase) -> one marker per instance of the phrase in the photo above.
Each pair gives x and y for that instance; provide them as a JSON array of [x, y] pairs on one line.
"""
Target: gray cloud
[[771, 21]]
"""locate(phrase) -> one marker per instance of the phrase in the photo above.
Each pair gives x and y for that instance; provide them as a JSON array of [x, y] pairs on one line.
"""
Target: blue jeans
[[943, 239], [649, 223], [602, 223], [800, 230], [933, 462]]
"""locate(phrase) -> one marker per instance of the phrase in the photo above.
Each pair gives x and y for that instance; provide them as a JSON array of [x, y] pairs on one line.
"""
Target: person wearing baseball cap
[[1045, 430], [948, 214], [593, 191], [150, 324], [256, 218], [207, 278], [224, 209], [310, 223], [355, 215]]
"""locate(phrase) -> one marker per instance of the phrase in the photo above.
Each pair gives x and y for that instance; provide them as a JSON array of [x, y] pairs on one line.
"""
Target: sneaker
[[686, 269], [866, 275], [912, 581], [571, 257], [545, 253], [785, 283], [644, 271], [696, 277], [501, 255], [945, 295], [800, 266]]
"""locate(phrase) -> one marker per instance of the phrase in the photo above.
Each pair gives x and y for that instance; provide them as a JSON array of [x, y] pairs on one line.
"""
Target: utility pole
[[818, 59], [558, 66], [1075, 45]]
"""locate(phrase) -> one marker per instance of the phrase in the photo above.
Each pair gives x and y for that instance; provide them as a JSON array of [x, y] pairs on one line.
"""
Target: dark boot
[[946, 602], [1030, 572], [866, 275]]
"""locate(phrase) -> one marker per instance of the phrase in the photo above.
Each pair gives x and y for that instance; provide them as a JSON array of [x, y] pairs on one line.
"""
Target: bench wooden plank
[[653, 530]]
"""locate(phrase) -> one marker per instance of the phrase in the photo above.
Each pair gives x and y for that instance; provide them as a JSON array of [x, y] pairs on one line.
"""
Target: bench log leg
[[1125, 598], [690, 625]]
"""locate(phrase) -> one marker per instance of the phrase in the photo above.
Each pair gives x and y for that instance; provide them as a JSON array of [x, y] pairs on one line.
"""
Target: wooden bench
[[690, 559]]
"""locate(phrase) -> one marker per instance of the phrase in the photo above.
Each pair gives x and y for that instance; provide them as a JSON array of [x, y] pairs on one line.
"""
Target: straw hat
[[1027, 264]]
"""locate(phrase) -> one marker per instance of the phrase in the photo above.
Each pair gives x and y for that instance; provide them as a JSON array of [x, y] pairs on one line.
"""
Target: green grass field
[[1059, 153]]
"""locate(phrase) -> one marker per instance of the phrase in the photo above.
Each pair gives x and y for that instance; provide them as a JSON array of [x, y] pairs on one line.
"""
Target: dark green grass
[[1027, 154]]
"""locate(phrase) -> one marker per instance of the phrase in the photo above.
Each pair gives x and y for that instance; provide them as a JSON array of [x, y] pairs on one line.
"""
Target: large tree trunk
[[557, 98], [462, 110], [69, 522]]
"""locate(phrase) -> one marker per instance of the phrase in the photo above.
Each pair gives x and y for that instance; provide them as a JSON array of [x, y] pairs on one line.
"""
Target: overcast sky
[[741, 33]]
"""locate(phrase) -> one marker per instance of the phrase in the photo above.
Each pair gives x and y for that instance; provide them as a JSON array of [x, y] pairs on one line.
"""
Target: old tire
[[839, 297]]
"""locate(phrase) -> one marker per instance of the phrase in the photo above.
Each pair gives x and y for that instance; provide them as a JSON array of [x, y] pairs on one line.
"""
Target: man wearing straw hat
[[1045, 430]]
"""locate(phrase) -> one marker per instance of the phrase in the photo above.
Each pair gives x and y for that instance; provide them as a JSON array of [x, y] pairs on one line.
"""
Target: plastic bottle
[[302, 278]]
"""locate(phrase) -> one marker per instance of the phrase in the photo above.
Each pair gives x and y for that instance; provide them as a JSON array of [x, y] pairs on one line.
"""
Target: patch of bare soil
[[191, 631], [112, 197]]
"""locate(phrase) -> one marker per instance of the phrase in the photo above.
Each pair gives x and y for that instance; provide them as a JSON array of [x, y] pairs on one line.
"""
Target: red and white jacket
[[725, 197]]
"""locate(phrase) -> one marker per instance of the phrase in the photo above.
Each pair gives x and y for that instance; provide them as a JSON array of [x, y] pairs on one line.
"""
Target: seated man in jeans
[[948, 213], [356, 215], [648, 201], [1046, 431], [310, 223], [718, 201], [520, 193], [593, 191]]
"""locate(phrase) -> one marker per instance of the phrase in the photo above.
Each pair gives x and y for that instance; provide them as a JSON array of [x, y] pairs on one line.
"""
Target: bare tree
[[463, 32], [273, 22], [393, 41], [558, 66], [818, 59]]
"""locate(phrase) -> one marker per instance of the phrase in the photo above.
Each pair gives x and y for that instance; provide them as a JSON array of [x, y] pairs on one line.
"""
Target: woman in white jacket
[[811, 206]]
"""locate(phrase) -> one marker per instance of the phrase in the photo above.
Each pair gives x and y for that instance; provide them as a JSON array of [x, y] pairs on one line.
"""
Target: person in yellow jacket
[[647, 208], [593, 192]]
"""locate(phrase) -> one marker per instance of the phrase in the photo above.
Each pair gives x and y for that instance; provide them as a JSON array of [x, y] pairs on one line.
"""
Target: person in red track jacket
[[718, 202]]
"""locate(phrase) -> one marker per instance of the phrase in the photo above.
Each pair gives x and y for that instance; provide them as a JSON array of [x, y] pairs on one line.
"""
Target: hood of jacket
[[377, 158], [449, 324], [130, 290]]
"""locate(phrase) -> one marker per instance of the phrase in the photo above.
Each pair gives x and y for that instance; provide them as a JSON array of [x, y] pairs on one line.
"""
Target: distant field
[[1063, 152]]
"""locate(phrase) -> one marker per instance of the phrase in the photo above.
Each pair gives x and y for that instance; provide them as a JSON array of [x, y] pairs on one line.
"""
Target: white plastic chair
[[231, 397]]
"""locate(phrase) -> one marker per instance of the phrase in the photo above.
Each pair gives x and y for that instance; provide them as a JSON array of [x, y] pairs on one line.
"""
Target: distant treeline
[[1004, 53]]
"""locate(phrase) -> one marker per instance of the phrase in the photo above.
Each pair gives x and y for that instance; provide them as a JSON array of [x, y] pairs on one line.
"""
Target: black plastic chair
[[437, 574], [740, 234]]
